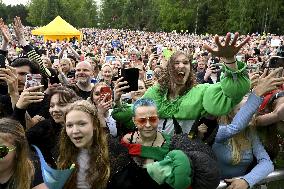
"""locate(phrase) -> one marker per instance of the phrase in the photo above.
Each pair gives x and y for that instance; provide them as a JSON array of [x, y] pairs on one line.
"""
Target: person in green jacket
[[180, 101]]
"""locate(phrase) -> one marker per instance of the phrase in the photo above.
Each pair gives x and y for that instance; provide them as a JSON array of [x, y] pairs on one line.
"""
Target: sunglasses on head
[[143, 120], [4, 151]]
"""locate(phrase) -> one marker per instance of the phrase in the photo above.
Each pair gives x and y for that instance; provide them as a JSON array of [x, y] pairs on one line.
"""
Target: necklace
[[139, 160], [137, 138], [154, 139]]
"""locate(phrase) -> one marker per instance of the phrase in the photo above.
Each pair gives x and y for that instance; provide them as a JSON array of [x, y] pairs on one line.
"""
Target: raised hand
[[104, 105], [10, 76], [19, 31], [30, 95], [227, 50], [5, 32], [118, 89], [267, 83]]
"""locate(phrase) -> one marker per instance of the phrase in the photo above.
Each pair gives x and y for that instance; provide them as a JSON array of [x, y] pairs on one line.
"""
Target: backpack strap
[[177, 127]]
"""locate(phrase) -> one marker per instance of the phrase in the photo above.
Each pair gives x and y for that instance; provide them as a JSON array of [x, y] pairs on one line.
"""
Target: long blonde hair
[[23, 167], [99, 170], [240, 141]]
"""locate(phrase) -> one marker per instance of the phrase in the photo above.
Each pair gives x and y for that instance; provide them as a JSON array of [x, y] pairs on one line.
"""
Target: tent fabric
[[57, 29]]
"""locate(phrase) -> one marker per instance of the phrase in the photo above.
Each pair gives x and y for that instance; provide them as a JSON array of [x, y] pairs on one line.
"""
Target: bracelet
[[230, 62]]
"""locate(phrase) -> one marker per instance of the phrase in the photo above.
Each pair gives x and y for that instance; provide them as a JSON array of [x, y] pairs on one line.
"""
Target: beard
[[84, 81]]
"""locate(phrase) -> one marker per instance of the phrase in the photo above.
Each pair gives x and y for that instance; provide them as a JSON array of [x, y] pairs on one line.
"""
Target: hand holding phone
[[106, 92], [120, 85], [30, 95], [54, 80], [276, 62]]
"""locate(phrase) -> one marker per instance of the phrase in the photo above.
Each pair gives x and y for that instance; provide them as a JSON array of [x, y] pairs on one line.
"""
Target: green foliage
[[9, 12], [80, 13], [111, 13], [200, 16]]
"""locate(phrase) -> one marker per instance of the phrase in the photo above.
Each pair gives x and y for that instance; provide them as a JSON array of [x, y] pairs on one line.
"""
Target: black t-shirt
[[83, 94]]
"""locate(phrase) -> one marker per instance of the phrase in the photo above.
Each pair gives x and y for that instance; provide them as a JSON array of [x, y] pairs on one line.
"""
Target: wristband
[[230, 62]]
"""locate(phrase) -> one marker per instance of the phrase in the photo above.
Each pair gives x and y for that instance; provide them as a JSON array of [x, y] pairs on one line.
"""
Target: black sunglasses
[[4, 151]]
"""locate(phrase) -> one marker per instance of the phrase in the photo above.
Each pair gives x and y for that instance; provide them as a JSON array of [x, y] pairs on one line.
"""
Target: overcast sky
[[15, 2]]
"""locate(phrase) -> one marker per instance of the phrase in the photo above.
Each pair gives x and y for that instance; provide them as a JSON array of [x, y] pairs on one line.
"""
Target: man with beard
[[83, 77]]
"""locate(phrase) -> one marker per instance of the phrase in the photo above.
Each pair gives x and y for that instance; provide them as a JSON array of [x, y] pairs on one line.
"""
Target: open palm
[[5, 31], [227, 50], [18, 28]]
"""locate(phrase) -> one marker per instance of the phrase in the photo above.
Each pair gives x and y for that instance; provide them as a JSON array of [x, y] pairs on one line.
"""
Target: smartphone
[[109, 59], [115, 78], [54, 79], [71, 74], [56, 61], [106, 91], [276, 62], [154, 50], [2, 61], [32, 80], [149, 75], [131, 75]]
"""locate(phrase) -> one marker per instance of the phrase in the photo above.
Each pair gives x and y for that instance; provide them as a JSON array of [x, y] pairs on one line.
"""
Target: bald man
[[83, 77]]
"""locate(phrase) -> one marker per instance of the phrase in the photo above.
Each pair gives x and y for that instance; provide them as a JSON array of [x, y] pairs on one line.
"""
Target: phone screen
[[32, 80], [109, 59], [106, 91], [149, 75], [131, 75], [71, 74], [54, 79], [274, 63], [2, 61]]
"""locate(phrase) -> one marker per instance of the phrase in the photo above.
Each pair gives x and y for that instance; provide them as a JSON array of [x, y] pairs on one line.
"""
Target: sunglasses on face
[[142, 121], [4, 151]]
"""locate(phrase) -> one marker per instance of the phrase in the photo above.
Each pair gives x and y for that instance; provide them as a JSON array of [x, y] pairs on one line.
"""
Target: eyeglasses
[[4, 151], [142, 121]]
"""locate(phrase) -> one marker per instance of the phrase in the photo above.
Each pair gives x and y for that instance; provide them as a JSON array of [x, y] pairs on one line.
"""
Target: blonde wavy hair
[[99, 170], [23, 171], [240, 141], [67, 61]]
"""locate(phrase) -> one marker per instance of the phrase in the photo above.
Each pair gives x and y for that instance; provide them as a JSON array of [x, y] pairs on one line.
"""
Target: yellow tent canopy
[[58, 29]]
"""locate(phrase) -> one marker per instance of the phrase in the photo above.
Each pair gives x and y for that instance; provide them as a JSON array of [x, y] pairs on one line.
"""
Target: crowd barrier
[[276, 177]]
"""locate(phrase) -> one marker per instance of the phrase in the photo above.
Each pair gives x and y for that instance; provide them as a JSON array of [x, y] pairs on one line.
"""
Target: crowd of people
[[136, 109]]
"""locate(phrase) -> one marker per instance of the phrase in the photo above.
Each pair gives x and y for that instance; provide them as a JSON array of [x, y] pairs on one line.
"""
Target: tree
[[200, 16], [140, 14], [111, 13], [177, 15], [3, 11], [36, 12], [80, 13], [18, 10]]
